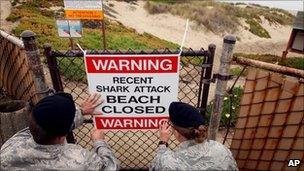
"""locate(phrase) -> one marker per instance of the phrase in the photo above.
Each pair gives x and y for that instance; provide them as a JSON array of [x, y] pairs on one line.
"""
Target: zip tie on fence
[[83, 51], [184, 38], [80, 47]]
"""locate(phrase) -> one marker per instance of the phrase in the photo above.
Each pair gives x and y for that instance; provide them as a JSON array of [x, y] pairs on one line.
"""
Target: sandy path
[[5, 12]]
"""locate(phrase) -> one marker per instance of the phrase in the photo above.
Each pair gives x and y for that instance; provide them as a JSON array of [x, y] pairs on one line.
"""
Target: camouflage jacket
[[209, 155], [21, 152]]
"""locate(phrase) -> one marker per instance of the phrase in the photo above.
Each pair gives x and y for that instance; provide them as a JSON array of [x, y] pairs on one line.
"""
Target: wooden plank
[[270, 67]]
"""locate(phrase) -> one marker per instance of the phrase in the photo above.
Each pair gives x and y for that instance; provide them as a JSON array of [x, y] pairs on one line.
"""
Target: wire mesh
[[134, 149], [270, 130]]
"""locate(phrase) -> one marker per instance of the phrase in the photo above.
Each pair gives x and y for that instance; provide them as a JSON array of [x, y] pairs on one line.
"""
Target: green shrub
[[117, 37], [47, 13], [220, 17], [257, 29], [14, 2], [294, 62], [13, 17], [231, 107], [237, 71], [260, 57]]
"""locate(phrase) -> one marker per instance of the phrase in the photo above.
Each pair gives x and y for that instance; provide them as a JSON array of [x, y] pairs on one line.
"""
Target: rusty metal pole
[[34, 62], [56, 79], [221, 85], [53, 68], [207, 78]]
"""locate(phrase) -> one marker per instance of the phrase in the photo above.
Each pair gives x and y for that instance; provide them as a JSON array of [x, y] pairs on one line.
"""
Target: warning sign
[[137, 89], [83, 9], [69, 28], [84, 14]]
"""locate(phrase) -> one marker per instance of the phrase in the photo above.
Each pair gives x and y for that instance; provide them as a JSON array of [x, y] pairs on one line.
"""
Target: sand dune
[[171, 28]]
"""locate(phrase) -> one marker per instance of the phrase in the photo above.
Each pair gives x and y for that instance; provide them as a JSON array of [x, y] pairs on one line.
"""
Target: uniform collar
[[45, 148], [186, 144]]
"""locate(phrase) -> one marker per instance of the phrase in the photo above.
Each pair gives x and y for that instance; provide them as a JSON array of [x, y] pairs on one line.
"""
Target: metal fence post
[[34, 62], [221, 85], [207, 78], [53, 68], [56, 79]]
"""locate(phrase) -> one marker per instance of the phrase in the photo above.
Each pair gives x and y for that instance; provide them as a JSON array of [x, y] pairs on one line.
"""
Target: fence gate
[[134, 149]]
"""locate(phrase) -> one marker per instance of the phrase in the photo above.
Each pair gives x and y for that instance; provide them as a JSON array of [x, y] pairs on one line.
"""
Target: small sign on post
[[83, 9], [69, 28], [137, 89], [86, 10]]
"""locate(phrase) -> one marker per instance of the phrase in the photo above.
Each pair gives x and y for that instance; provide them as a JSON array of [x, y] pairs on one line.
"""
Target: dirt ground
[[5, 10]]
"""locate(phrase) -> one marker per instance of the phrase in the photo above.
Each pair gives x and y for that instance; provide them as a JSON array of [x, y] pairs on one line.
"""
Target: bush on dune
[[220, 17]]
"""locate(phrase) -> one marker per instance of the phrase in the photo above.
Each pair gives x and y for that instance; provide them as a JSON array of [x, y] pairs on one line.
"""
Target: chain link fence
[[134, 149]]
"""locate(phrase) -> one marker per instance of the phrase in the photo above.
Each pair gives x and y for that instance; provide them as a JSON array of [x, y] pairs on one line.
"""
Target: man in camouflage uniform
[[195, 152], [43, 145]]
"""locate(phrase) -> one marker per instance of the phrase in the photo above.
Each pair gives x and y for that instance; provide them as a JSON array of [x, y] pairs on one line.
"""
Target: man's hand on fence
[[97, 135], [88, 106]]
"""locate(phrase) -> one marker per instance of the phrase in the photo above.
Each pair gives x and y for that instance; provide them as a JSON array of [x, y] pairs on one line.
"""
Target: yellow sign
[[84, 14]]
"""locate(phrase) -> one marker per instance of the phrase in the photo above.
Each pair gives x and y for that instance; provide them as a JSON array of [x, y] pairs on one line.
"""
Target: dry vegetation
[[35, 16], [220, 17]]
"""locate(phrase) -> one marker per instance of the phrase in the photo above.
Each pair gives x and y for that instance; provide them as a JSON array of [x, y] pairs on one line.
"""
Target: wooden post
[[289, 44], [71, 43], [221, 85], [34, 62], [70, 38], [271, 67]]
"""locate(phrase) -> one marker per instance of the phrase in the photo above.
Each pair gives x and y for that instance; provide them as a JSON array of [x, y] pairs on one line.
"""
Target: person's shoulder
[[214, 143], [76, 151], [217, 146], [74, 148]]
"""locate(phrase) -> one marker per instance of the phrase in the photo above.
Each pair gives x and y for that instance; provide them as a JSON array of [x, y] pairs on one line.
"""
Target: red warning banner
[[125, 64], [127, 123]]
